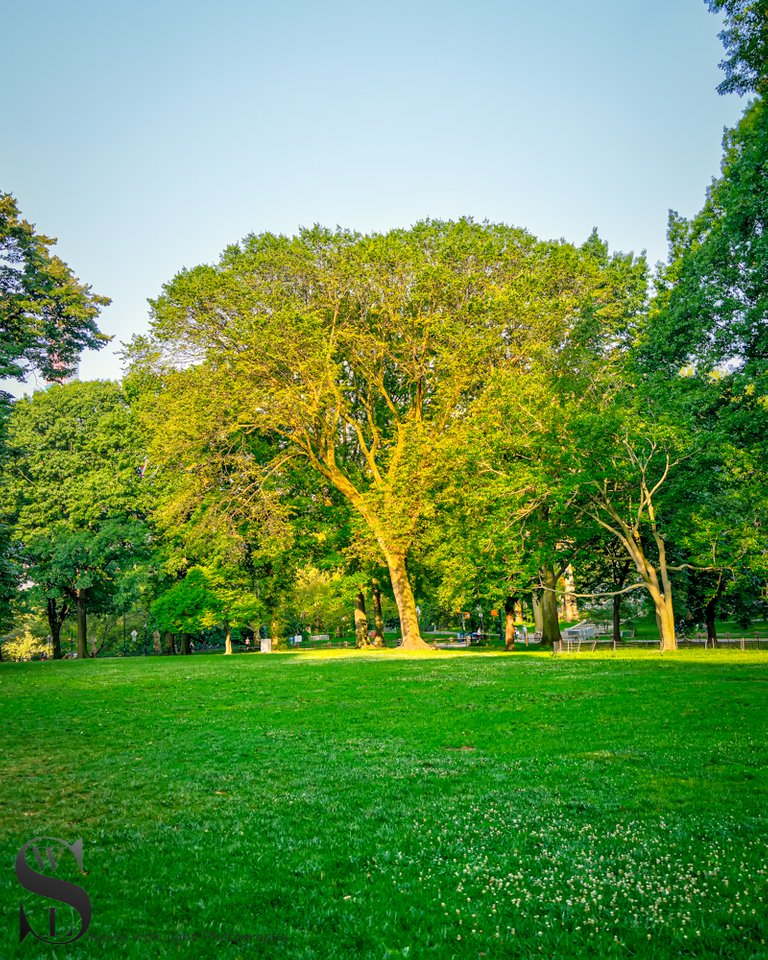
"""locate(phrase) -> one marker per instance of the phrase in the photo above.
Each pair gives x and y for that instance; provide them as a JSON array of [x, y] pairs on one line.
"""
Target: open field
[[341, 805]]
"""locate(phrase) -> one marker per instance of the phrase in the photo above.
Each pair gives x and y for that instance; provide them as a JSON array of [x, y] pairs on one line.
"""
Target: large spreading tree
[[359, 354]]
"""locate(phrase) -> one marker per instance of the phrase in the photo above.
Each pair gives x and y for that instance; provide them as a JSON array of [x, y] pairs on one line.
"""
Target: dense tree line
[[460, 412]]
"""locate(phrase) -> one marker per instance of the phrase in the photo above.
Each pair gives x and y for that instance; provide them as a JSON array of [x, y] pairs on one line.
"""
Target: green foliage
[[207, 597], [75, 492], [709, 315], [47, 317], [707, 340], [511, 501], [360, 356], [188, 606], [236, 603], [745, 39]]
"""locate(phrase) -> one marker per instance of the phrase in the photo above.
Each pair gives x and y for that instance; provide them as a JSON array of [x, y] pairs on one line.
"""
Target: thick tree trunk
[[665, 619], [55, 621], [395, 557], [378, 619], [538, 620], [709, 616], [509, 623], [274, 628], [82, 624], [228, 641], [361, 621], [185, 644], [406, 605], [170, 648], [550, 633]]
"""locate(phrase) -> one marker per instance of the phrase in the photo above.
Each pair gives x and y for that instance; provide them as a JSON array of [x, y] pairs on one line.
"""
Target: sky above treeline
[[146, 136]]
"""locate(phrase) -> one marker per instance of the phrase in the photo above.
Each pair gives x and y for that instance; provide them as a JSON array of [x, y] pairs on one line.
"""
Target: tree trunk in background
[[406, 605], [55, 626], [82, 624], [509, 623], [378, 619], [620, 571], [710, 609], [274, 631], [538, 620], [709, 616], [616, 620], [570, 607], [550, 632], [185, 644], [361, 621], [56, 617], [170, 649], [228, 641]]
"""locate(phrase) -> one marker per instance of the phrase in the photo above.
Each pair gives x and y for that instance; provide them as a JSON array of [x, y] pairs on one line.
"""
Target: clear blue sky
[[148, 135]]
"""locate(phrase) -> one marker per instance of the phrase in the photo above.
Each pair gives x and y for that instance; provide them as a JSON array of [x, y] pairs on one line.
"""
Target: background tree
[[235, 602], [510, 488], [708, 336], [187, 607], [47, 316], [745, 39], [78, 501], [214, 506]]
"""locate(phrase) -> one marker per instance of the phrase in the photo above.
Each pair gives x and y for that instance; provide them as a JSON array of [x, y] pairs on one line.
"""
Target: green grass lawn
[[646, 629], [346, 805]]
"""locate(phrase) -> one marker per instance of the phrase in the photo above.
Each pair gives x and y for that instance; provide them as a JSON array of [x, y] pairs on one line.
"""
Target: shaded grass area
[[334, 805]]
